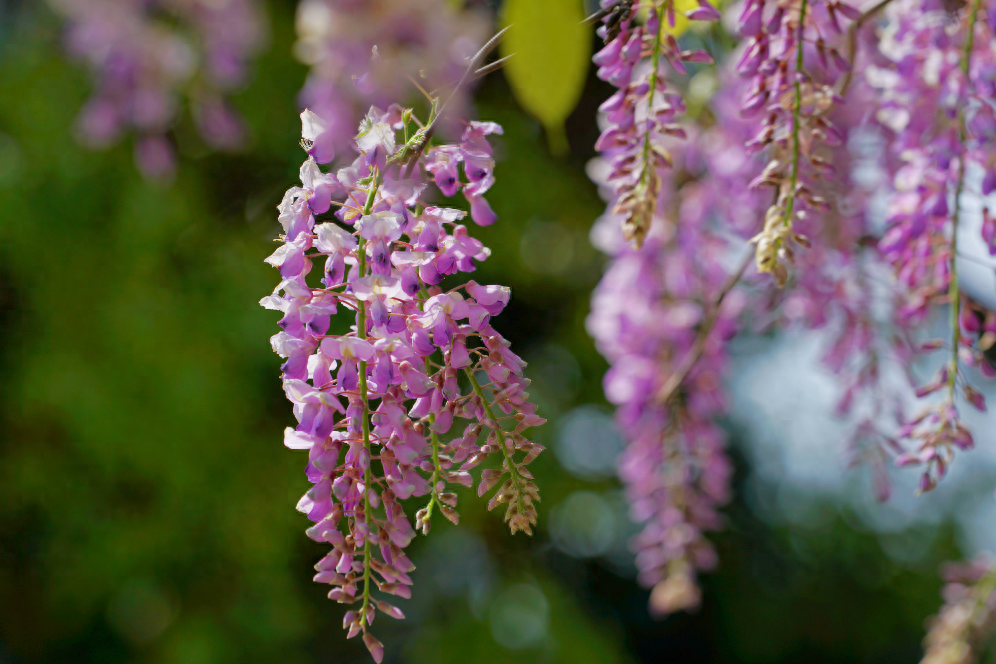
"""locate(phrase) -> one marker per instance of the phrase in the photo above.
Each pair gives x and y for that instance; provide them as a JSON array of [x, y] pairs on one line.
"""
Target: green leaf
[[552, 51]]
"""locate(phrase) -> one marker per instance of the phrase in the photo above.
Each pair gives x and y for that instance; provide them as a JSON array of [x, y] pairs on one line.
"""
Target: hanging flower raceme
[[413, 43], [840, 284], [834, 288], [145, 56], [647, 314], [644, 110], [936, 95], [378, 406], [662, 316], [793, 95]]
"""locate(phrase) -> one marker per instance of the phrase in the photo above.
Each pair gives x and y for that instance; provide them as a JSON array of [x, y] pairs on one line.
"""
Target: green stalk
[[796, 111], [954, 292], [361, 331], [655, 59], [500, 434], [436, 468]]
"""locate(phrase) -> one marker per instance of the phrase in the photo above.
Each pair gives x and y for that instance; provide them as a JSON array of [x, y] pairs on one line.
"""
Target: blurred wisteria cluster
[[148, 56], [846, 145], [771, 169]]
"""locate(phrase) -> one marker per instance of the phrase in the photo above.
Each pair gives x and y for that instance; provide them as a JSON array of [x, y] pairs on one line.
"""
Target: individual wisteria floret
[[792, 70], [146, 56], [936, 97], [378, 405], [968, 617], [644, 110]]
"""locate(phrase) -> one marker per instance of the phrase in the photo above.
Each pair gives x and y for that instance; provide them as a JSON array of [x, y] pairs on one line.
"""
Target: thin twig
[[474, 71], [954, 293], [675, 380], [852, 42], [598, 16], [493, 67]]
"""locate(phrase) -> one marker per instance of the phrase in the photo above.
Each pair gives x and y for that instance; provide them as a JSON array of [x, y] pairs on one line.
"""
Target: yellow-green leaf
[[552, 51]]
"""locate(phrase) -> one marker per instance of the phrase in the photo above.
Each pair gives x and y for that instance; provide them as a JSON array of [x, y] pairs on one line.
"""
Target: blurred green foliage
[[146, 501]]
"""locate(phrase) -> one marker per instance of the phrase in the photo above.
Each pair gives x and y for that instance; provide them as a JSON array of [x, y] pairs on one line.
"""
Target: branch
[[675, 380]]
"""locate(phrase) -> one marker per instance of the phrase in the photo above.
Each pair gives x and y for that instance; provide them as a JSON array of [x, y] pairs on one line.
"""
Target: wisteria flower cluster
[[795, 104], [817, 79], [642, 113], [145, 55], [377, 405], [655, 298], [645, 316]]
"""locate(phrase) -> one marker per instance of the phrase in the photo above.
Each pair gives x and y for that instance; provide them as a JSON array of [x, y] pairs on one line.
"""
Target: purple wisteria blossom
[[819, 78], [665, 311], [793, 100], [645, 317], [644, 111], [145, 56], [660, 317], [840, 283], [377, 405]]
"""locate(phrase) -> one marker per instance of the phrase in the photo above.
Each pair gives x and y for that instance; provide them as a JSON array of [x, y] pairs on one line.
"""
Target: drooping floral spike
[[147, 56], [792, 70], [378, 406], [364, 52], [646, 315], [650, 305], [664, 312], [644, 111], [662, 316], [936, 99], [841, 285]]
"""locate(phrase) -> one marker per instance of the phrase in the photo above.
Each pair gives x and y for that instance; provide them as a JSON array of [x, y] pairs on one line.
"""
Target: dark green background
[[147, 503]]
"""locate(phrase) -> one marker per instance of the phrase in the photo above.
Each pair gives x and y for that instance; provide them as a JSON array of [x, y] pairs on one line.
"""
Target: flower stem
[[796, 112], [361, 331], [655, 59], [436, 468], [852, 43], [500, 434], [675, 380], [954, 292]]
